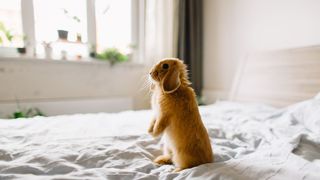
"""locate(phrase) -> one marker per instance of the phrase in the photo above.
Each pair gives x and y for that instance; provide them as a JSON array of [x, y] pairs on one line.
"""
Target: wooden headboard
[[278, 78]]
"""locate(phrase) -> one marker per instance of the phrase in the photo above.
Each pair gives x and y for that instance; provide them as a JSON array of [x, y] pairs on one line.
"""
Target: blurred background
[[88, 56]]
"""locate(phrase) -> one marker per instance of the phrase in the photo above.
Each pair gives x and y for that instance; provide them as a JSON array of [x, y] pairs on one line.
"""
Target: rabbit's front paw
[[163, 159]]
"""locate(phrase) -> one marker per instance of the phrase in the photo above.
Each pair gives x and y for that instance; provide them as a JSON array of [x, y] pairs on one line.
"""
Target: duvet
[[250, 141]]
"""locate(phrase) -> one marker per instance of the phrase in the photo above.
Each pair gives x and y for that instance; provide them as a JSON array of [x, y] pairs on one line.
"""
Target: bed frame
[[278, 78]]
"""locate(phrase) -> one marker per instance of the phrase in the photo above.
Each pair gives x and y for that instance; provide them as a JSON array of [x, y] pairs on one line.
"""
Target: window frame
[[137, 28], [28, 26]]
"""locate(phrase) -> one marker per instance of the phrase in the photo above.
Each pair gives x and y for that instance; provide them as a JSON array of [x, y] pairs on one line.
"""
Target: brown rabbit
[[186, 141]]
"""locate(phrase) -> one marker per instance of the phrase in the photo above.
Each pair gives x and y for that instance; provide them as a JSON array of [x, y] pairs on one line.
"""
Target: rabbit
[[177, 118]]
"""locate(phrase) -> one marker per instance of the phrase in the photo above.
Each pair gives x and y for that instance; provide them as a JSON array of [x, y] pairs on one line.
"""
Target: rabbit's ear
[[171, 81]]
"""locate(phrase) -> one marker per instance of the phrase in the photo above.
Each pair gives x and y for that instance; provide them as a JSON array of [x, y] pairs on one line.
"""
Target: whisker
[[145, 84]]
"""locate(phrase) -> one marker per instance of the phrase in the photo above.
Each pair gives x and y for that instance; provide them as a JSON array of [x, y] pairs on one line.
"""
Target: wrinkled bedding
[[250, 141]]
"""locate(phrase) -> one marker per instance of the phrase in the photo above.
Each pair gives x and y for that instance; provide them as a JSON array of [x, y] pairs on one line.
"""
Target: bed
[[250, 141]]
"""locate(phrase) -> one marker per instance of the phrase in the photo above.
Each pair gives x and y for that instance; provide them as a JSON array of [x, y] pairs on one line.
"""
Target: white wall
[[46, 81], [234, 28]]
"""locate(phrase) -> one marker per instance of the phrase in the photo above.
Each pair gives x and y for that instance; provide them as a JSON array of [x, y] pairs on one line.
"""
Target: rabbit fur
[[176, 117]]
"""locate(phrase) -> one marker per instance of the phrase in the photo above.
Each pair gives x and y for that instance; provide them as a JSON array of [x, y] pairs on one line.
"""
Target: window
[[72, 27], [68, 15], [10, 24], [113, 24]]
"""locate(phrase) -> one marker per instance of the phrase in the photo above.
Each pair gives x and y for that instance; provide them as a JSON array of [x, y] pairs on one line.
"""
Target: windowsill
[[85, 61]]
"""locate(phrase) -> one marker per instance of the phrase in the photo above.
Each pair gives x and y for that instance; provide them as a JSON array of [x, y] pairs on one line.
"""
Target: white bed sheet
[[250, 141]]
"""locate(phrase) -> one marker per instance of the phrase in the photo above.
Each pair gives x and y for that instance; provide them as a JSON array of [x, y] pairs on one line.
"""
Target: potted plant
[[112, 55], [47, 49], [77, 20], [23, 49], [26, 113], [92, 51], [63, 33], [79, 38]]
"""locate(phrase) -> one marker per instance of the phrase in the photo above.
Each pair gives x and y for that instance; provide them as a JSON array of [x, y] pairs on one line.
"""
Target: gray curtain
[[190, 40]]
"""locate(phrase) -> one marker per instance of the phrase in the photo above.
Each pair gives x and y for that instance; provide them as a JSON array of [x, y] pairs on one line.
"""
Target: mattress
[[250, 141]]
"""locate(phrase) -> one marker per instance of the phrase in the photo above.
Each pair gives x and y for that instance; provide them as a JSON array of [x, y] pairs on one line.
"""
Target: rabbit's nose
[[154, 73]]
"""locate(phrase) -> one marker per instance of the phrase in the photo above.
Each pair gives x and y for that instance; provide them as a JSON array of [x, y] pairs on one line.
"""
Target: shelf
[[69, 42]]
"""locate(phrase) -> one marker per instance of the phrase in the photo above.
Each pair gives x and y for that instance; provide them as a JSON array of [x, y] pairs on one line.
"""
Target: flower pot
[[22, 50], [48, 53], [79, 39], [92, 54], [63, 34]]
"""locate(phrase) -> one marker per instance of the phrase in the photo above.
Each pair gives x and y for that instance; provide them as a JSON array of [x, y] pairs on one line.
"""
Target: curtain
[[161, 30], [190, 40]]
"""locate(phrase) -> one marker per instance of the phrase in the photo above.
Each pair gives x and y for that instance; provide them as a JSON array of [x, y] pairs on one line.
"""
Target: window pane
[[113, 19], [68, 18], [54, 15], [10, 23]]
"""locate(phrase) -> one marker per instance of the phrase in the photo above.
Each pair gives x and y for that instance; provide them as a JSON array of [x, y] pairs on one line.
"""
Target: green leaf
[[18, 114], [113, 55], [7, 32], [28, 113]]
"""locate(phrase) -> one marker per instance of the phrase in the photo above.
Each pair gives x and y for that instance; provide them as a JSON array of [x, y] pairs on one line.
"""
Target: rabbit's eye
[[165, 66]]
